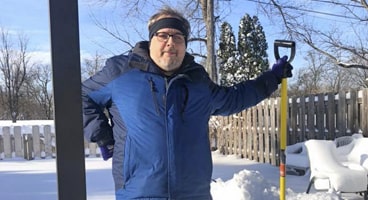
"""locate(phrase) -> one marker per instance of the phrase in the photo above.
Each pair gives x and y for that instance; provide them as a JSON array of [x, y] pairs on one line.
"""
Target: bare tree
[[208, 16], [14, 62], [345, 19], [359, 75], [320, 76], [92, 65], [39, 92]]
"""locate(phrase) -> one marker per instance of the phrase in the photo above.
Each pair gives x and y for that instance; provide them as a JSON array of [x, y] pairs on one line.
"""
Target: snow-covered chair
[[297, 162], [358, 154], [344, 145], [343, 141], [327, 173]]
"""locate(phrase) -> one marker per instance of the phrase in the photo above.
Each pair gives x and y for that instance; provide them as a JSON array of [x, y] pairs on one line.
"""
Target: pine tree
[[248, 58], [227, 55], [252, 48]]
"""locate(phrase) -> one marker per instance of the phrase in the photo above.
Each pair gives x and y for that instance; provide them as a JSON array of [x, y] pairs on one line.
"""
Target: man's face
[[167, 49]]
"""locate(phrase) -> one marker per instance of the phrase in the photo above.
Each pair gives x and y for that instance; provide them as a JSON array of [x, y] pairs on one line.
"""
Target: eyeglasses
[[164, 37]]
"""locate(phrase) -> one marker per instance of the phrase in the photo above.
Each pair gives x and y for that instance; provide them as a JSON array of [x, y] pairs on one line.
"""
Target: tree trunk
[[207, 12], [211, 57]]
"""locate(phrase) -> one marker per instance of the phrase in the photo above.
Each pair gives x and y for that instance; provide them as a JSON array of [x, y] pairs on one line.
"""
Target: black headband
[[168, 23]]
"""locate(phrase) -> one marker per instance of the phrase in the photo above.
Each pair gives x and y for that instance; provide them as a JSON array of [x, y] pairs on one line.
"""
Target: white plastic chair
[[297, 158], [327, 173], [358, 154]]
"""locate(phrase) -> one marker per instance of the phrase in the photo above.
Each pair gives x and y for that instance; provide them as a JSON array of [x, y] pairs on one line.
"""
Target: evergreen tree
[[252, 48], [227, 55], [248, 58]]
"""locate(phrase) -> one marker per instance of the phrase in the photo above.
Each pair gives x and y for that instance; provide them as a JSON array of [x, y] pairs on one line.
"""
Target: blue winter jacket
[[160, 123]]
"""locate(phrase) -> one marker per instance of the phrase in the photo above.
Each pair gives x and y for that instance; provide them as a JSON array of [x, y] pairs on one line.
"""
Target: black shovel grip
[[285, 44]]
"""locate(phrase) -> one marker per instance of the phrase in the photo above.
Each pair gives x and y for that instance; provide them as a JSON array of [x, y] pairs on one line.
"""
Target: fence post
[[231, 134], [259, 109], [310, 117], [47, 134], [255, 134], [294, 135], [274, 136], [1, 147], [341, 114], [267, 136], [36, 141], [28, 146], [18, 141], [353, 117], [364, 112], [92, 149], [226, 136], [249, 128], [241, 133], [320, 117], [236, 133], [331, 113], [7, 142], [278, 132], [244, 132], [86, 148]]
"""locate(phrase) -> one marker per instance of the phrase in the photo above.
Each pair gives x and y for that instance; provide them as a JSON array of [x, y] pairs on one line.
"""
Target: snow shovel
[[284, 110]]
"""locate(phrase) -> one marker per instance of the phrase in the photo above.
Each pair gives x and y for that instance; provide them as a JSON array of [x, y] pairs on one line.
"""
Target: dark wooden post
[[65, 53]]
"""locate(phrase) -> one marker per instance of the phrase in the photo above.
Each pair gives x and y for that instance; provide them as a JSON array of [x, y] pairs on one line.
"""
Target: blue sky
[[30, 17]]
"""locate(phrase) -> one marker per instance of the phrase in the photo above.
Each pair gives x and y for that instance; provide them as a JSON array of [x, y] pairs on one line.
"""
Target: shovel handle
[[283, 114], [285, 44]]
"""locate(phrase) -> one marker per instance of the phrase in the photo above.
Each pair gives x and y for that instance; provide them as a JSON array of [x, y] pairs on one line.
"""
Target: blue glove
[[282, 69], [107, 150]]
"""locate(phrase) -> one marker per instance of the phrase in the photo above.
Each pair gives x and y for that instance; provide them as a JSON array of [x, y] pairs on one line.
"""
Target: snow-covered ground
[[235, 179]]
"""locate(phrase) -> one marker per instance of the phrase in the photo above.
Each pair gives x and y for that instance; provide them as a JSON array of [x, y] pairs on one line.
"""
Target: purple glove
[[107, 150], [282, 69]]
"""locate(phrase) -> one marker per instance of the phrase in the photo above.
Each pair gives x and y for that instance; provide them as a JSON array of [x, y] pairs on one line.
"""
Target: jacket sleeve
[[234, 99], [96, 100]]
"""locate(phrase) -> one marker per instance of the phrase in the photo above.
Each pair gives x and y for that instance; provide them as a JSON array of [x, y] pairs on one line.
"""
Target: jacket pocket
[[154, 93], [126, 164]]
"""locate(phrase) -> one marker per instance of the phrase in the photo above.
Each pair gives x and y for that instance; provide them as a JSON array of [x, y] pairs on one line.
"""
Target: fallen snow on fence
[[26, 125]]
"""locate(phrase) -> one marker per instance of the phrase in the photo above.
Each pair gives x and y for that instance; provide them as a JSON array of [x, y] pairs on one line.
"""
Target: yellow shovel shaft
[[284, 110], [283, 124], [282, 189]]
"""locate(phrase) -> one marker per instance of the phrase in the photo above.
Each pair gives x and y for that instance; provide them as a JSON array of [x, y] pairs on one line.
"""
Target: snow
[[352, 177], [234, 179], [26, 125]]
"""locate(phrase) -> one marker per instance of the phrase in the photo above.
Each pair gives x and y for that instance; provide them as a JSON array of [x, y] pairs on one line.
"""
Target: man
[[159, 102]]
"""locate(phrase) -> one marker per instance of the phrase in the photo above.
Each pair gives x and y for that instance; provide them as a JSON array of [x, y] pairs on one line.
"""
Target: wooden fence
[[254, 133], [35, 144]]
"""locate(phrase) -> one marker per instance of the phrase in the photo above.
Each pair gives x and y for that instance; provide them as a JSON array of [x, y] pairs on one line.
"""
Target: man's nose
[[170, 40]]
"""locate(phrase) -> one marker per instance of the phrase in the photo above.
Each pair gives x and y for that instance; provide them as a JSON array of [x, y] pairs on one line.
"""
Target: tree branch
[[335, 59]]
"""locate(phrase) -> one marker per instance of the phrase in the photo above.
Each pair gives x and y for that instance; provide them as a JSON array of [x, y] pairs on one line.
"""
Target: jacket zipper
[[168, 143], [154, 96], [168, 83]]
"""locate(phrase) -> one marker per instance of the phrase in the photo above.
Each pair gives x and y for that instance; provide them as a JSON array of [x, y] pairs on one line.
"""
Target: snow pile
[[245, 185], [251, 185]]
